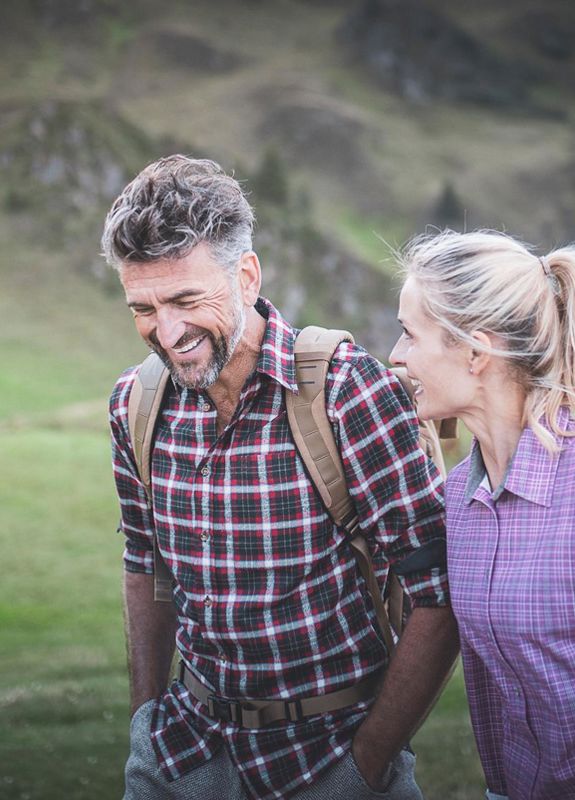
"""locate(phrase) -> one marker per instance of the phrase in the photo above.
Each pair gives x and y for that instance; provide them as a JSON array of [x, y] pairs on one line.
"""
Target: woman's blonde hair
[[488, 281]]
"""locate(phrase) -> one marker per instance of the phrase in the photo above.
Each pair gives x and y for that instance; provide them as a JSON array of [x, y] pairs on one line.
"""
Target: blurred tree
[[449, 211], [270, 182]]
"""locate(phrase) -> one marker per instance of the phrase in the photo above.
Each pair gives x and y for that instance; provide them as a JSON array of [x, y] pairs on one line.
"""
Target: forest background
[[354, 125]]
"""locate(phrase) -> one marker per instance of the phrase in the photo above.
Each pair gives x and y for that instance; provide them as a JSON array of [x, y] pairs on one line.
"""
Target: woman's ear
[[480, 356]]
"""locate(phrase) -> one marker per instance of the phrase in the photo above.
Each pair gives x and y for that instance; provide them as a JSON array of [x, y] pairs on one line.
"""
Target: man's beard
[[193, 376]]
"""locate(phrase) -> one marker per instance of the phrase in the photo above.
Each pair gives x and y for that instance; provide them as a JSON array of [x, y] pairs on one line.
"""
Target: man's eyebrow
[[171, 299]]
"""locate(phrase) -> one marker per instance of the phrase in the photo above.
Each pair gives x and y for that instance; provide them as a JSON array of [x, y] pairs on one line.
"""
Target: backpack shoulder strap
[[315, 441], [307, 414], [144, 406]]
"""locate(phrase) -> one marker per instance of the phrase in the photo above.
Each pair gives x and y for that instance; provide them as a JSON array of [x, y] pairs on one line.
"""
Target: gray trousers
[[218, 779]]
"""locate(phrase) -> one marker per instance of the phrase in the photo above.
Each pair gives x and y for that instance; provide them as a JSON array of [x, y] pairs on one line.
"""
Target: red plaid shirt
[[269, 599]]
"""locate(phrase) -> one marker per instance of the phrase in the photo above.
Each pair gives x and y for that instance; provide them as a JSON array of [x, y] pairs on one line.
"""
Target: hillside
[[352, 122]]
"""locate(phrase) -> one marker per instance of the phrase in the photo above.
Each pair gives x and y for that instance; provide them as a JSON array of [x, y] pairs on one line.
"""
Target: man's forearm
[[150, 638], [415, 675]]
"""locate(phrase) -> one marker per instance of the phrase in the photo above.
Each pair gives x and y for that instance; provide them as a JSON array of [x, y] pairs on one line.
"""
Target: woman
[[489, 336]]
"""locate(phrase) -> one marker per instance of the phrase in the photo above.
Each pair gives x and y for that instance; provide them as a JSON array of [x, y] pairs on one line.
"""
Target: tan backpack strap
[[143, 408], [395, 602], [447, 428], [310, 426], [365, 564], [313, 435]]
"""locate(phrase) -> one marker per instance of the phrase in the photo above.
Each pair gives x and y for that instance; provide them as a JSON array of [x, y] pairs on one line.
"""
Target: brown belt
[[258, 713]]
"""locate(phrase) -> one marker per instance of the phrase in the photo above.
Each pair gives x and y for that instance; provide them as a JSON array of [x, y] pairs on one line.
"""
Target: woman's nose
[[397, 355]]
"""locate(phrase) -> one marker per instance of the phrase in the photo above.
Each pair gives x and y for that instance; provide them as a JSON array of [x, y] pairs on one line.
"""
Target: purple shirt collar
[[519, 478]]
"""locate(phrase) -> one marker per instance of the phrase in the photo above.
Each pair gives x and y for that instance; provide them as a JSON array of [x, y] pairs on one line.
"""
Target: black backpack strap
[[144, 406]]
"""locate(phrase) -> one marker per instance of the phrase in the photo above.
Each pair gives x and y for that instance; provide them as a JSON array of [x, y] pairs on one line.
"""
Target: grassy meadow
[[63, 687]]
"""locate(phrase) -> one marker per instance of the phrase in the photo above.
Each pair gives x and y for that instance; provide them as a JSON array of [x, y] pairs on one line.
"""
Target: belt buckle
[[225, 710]]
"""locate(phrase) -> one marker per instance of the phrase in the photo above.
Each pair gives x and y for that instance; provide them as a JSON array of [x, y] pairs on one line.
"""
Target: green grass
[[63, 689], [63, 339], [373, 239], [447, 763]]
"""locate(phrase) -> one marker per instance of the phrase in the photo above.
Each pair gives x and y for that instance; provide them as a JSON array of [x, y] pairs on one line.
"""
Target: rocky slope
[[349, 121]]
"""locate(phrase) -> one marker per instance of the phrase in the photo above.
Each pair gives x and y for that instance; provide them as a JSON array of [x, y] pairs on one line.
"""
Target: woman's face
[[444, 387]]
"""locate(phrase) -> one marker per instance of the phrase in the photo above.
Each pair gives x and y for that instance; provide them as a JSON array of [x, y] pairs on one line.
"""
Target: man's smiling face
[[189, 311]]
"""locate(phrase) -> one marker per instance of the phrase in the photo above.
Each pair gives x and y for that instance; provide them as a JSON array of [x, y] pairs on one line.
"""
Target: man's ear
[[480, 356], [250, 277]]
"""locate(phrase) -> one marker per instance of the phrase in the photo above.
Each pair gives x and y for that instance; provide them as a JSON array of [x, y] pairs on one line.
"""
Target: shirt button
[[223, 659], [207, 407], [208, 601], [205, 471], [204, 536]]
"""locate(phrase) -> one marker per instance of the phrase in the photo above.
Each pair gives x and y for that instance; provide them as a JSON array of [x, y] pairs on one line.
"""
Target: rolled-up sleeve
[[396, 488], [136, 522]]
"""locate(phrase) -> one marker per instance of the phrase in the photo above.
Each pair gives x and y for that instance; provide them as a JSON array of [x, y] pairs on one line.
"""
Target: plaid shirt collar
[[276, 357], [518, 478]]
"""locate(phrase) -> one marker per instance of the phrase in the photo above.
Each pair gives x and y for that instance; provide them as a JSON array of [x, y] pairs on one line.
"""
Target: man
[[268, 603]]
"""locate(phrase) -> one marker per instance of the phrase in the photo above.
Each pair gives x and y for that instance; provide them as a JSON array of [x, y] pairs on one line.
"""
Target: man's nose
[[397, 355], [170, 328]]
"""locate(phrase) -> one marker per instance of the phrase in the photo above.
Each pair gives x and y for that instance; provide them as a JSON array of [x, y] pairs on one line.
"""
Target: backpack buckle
[[351, 523], [225, 710], [293, 710]]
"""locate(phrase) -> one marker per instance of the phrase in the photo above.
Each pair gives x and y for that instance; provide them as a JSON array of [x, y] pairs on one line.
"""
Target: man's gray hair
[[173, 205]]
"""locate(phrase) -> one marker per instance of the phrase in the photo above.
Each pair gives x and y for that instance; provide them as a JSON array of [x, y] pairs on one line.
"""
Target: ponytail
[[556, 386]]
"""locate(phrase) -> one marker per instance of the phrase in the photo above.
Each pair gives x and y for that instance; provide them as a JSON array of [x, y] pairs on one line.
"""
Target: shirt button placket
[[205, 472]]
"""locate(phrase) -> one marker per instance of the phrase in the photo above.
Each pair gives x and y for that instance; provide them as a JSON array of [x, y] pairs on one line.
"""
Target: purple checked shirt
[[511, 561]]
